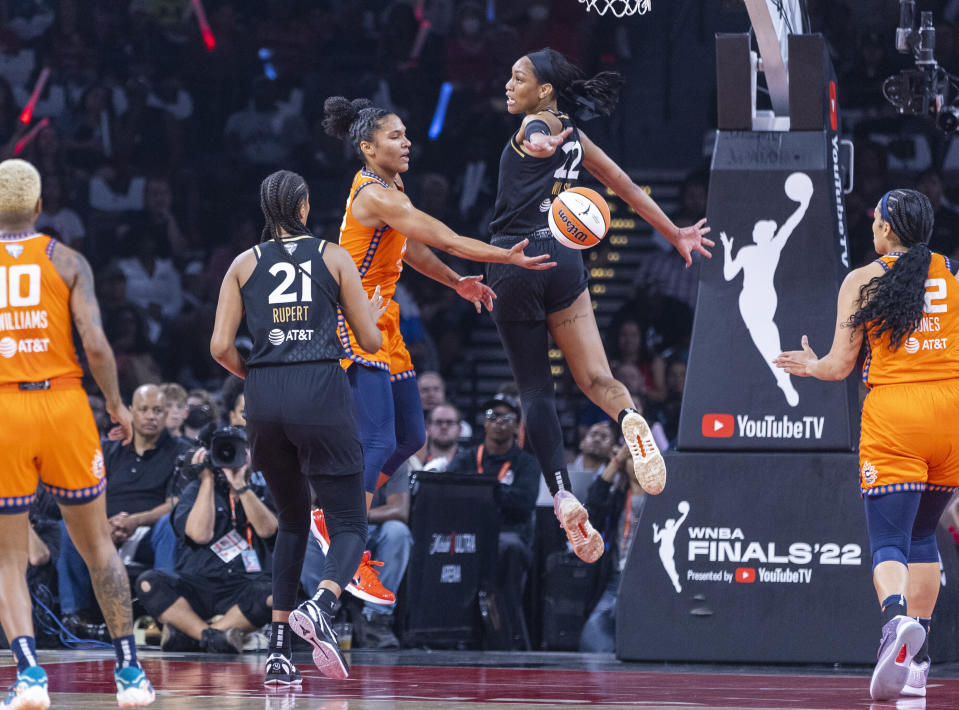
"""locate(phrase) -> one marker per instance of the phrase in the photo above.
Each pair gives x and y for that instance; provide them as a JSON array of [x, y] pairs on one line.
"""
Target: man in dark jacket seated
[[226, 523]]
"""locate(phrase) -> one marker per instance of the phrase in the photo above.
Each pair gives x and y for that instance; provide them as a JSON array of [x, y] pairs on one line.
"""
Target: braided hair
[[894, 301], [584, 98], [281, 195], [358, 119]]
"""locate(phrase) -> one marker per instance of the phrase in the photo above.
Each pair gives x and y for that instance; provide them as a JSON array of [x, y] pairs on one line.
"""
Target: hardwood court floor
[[447, 680]]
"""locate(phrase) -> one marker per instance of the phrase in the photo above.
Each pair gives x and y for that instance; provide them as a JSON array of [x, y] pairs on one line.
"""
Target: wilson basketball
[[579, 218]]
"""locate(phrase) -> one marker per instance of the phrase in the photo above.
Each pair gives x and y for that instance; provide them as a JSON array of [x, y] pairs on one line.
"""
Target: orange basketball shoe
[[587, 543], [366, 583], [648, 464]]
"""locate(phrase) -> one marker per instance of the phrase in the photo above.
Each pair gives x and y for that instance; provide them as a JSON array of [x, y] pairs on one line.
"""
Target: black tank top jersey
[[291, 317], [527, 185]]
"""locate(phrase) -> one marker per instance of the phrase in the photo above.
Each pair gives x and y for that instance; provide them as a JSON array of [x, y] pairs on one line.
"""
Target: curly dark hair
[[358, 119], [894, 302]]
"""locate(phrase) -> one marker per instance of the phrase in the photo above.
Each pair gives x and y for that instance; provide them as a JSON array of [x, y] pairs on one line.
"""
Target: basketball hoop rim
[[618, 8]]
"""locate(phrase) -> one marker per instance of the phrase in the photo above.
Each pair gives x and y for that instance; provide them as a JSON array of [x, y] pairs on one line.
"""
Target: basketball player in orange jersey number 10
[[543, 158], [381, 230], [47, 432], [905, 305]]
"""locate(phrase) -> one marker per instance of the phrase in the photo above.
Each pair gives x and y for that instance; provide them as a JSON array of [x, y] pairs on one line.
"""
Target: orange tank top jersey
[[378, 255], [932, 351], [36, 337]]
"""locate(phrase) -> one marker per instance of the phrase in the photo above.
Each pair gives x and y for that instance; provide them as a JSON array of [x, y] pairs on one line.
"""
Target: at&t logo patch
[[276, 336], [8, 347], [911, 345]]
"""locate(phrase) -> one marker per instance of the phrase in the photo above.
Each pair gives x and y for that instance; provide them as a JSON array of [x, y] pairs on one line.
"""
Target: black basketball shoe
[[315, 627], [280, 671]]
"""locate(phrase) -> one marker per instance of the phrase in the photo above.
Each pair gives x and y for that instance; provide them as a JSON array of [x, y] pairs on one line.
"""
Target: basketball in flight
[[579, 218]]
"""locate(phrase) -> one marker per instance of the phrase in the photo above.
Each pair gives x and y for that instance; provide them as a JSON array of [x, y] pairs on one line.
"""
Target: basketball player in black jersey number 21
[[541, 160], [299, 409]]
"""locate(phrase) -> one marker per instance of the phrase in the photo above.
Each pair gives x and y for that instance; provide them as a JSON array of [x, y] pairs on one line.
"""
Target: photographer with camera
[[225, 522]]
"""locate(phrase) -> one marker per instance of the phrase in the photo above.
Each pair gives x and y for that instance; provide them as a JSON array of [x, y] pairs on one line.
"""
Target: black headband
[[543, 68]]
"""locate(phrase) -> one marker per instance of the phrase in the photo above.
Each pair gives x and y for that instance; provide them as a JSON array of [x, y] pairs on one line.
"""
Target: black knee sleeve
[[156, 591]]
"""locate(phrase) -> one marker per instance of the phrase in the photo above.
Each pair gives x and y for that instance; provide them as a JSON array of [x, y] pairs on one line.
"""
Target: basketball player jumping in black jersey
[[299, 410], [543, 158]]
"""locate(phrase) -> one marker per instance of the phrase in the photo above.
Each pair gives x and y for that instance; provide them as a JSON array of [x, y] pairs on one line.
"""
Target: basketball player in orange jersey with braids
[[905, 307], [47, 432], [543, 158], [382, 230]]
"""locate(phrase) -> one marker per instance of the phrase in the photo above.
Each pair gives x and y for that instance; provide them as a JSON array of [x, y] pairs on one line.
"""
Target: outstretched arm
[[657, 533], [394, 208], [841, 358], [422, 258], [604, 169]]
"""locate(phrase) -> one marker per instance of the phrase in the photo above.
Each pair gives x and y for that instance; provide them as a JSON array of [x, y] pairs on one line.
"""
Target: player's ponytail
[[357, 119], [894, 301], [583, 98]]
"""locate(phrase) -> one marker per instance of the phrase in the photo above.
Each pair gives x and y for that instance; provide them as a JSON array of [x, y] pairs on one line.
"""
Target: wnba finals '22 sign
[[774, 276]]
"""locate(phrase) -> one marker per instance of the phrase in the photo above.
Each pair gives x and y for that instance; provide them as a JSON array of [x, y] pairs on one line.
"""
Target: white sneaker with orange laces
[[648, 464], [366, 583], [587, 543]]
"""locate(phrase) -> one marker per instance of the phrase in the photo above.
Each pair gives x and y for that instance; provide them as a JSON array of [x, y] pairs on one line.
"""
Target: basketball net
[[619, 8]]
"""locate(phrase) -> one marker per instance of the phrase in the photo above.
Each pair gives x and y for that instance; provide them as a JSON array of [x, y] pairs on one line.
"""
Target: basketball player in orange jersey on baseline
[[905, 305], [542, 159], [47, 432], [381, 230]]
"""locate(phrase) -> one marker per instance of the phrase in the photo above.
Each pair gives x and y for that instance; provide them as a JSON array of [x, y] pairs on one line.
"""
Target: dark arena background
[[747, 582]]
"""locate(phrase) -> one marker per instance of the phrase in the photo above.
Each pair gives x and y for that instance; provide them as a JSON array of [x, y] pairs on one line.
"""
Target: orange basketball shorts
[[909, 440], [48, 436], [392, 355]]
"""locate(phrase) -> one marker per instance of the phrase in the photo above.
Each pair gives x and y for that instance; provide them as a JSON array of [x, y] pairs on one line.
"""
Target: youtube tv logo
[[718, 426], [745, 575]]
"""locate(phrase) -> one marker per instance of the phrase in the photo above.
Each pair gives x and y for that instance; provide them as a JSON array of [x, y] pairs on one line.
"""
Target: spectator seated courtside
[[226, 523]]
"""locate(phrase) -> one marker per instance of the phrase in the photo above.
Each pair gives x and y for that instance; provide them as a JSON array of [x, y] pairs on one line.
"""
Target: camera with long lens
[[225, 448], [927, 89]]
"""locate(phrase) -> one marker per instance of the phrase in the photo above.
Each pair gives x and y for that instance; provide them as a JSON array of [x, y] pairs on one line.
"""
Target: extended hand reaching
[[537, 263], [541, 145], [470, 288], [797, 362], [690, 239]]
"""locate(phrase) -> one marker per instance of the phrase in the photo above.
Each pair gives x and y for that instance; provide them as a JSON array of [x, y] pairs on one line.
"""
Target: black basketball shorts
[[301, 417], [525, 295]]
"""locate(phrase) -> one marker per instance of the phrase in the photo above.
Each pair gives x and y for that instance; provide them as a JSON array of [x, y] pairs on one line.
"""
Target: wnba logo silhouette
[[666, 537], [758, 262]]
